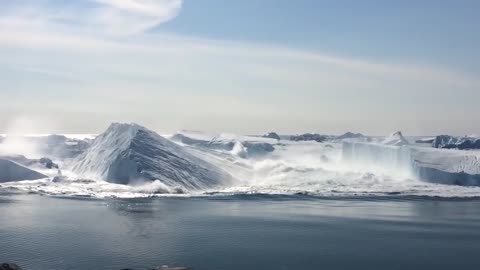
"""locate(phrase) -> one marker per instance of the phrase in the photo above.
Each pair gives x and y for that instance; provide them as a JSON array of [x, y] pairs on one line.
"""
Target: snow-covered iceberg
[[427, 164], [127, 153], [12, 171], [395, 139]]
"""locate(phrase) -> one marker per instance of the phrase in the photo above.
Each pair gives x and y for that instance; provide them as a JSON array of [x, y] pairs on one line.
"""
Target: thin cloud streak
[[105, 17], [255, 87], [20, 34]]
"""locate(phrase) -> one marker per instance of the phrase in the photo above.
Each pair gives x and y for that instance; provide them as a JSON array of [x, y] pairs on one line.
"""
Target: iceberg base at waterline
[[451, 167]]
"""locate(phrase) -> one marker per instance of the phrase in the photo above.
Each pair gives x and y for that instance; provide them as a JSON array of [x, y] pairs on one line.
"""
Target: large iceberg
[[128, 153], [428, 164], [12, 171]]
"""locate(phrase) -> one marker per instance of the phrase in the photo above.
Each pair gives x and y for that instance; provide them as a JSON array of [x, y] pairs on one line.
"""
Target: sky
[[245, 67]]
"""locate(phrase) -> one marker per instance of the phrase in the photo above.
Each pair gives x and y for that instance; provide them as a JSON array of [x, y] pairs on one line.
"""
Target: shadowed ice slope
[[12, 171], [127, 153]]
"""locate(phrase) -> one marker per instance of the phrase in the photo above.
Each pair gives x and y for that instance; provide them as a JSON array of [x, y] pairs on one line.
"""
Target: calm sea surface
[[239, 232]]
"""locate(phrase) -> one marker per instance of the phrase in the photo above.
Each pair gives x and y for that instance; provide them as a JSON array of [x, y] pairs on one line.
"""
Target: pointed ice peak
[[128, 153], [395, 139], [123, 127]]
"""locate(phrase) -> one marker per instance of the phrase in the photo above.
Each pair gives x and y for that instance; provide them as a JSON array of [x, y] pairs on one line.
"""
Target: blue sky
[[436, 32], [240, 66]]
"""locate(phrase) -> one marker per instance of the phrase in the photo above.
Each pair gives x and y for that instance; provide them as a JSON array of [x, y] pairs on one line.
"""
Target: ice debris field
[[128, 160]]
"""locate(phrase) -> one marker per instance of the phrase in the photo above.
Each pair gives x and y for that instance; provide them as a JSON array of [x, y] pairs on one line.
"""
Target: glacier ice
[[34, 146], [250, 146], [13, 171], [129, 153], [41, 162], [427, 164], [461, 143], [189, 137], [309, 137], [395, 139], [243, 146], [350, 135], [197, 163], [271, 135]]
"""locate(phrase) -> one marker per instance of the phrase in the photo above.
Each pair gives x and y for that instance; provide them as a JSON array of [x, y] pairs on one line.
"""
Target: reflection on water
[[239, 233]]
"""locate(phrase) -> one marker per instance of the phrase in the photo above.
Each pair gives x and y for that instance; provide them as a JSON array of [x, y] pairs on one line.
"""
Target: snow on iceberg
[[189, 137], [242, 146], [395, 139], [427, 164], [128, 153], [250, 146], [12, 171]]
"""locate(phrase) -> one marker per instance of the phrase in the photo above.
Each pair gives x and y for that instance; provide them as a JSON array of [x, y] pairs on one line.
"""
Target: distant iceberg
[[350, 135], [310, 137], [129, 153], [461, 143], [271, 135], [242, 146], [395, 139]]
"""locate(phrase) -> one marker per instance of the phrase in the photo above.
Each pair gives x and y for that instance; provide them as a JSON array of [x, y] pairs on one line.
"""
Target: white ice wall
[[436, 166]]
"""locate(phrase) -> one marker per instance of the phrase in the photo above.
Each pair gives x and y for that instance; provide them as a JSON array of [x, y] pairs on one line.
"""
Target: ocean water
[[240, 232]]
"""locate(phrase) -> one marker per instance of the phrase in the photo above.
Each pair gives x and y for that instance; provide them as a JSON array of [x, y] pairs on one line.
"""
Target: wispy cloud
[[188, 81], [110, 17]]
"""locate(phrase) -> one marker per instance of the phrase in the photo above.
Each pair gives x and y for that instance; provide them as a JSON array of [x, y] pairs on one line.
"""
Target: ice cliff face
[[427, 164], [379, 157], [126, 153], [12, 171]]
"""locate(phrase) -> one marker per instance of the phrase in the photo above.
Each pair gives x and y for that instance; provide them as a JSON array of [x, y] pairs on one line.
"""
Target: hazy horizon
[[248, 67]]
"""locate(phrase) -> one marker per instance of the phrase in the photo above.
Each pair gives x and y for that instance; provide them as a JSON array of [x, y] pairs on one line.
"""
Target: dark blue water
[[40, 232]]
